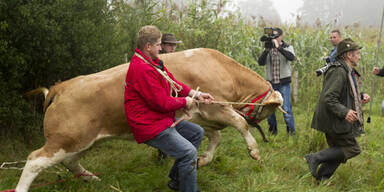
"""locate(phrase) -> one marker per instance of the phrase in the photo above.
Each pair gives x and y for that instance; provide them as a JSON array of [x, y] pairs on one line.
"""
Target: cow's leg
[[38, 161], [261, 132], [72, 163], [227, 116], [214, 137]]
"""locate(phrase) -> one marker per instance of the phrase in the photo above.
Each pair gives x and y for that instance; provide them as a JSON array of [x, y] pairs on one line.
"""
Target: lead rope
[[174, 87]]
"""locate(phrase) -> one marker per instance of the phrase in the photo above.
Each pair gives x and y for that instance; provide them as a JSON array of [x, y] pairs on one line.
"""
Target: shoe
[[161, 155], [273, 130], [325, 155], [312, 164], [174, 185]]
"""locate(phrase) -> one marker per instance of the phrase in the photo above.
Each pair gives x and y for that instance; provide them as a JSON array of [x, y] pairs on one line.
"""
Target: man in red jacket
[[152, 96]]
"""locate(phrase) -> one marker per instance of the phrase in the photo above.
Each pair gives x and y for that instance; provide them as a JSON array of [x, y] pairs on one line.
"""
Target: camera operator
[[277, 57]]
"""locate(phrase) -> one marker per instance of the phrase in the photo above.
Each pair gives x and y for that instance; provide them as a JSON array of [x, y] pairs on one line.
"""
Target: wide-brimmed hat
[[346, 45], [169, 38]]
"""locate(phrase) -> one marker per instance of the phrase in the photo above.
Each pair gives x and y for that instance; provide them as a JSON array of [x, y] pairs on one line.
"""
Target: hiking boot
[[325, 155], [312, 164], [173, 184]]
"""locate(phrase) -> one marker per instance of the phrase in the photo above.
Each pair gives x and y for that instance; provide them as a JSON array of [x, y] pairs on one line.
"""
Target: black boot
[[273, 130], [327, 169], [161, 155], [328, 154], [173, 184]]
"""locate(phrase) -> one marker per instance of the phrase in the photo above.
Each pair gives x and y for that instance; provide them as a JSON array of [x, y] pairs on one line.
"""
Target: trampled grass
[[130, 167]]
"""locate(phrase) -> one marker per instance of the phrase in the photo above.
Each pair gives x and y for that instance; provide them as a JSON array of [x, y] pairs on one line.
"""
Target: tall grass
[[134, 168]]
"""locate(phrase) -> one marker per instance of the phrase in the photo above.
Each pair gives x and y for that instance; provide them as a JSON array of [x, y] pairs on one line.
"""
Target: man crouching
[[152, 96], [339, 113]]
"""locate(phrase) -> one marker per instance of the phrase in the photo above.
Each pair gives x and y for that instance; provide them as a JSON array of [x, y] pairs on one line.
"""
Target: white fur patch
[[189, 53], [107, 136], [236, 116], [34, 166]]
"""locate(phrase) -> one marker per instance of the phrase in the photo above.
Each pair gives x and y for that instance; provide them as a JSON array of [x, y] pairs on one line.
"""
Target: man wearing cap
[[278, 72], [338, 113], [169, 43]]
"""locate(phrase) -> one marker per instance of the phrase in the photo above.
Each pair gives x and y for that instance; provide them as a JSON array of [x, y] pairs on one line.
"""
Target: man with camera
[[276, 57], [338, 113]]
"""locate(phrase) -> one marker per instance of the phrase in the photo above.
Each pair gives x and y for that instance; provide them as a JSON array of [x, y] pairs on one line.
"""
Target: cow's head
[[270, 104]]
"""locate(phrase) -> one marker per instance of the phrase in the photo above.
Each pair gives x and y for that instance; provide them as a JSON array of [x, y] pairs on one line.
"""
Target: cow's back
[[199, 67], [214, 73], [87, 107]]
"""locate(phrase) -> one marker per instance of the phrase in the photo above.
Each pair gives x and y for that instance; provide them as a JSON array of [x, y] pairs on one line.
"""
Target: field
[[127, 166]]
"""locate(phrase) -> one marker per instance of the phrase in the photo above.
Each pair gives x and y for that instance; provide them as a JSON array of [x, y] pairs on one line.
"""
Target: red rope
[[55, 182], [254, 100]]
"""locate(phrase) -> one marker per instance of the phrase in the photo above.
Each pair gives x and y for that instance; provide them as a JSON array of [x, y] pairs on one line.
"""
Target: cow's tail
[[48, 95], [37, 91]]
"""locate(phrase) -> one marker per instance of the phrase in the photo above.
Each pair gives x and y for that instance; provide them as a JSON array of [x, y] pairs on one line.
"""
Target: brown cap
[[169, 38], [345, 46]]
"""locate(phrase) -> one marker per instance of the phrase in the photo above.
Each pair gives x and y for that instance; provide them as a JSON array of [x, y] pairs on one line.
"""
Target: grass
[[130, 167]]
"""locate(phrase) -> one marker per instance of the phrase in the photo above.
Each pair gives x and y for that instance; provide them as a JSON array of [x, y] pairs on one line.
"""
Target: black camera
[[269, 34], [326, 66]]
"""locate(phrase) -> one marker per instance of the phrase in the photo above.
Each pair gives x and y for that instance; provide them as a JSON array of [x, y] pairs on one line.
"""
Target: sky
[[285, 8]]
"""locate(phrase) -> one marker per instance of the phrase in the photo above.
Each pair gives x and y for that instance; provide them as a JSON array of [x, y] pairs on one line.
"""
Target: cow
[[89, 108]]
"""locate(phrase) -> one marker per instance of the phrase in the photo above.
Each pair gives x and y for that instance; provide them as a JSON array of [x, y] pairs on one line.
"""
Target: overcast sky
[[286, 8]]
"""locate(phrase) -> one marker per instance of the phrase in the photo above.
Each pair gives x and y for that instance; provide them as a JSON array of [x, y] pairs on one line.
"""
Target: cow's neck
[[250, 85]]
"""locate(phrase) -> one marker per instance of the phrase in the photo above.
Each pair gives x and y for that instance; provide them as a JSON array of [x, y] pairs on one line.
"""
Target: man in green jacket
[[339, 113]]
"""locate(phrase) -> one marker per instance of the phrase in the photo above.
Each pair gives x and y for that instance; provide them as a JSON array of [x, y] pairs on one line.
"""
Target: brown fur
[[87, 107]]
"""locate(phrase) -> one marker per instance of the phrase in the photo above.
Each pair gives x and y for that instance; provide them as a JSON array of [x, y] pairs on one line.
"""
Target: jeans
[[285, 90], [181, 143]]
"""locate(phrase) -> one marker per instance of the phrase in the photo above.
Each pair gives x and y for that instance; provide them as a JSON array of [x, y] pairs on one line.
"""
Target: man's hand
[[189, 103], [366, 98], [376, 70], [351, 116], [274, 41], [206, 97]]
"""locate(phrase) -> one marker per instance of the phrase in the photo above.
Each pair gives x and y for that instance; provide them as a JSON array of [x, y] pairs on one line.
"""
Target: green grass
[[133, 168]]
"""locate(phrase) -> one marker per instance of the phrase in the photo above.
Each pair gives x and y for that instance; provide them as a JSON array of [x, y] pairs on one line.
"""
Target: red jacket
[[149, 108]]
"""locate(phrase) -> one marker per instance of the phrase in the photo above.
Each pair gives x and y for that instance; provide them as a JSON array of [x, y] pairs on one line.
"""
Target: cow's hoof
[[202, 161], [255, 154], [88, 177]]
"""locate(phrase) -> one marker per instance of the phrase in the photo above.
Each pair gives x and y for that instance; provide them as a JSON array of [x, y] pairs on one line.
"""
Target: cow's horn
[[281, 109]]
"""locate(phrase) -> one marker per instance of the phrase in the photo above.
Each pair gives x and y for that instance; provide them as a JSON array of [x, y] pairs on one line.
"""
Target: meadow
[[129, 167]]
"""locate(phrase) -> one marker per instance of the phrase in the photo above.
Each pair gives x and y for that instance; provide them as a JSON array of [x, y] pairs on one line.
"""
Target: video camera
[[326, 66], [269, 34]]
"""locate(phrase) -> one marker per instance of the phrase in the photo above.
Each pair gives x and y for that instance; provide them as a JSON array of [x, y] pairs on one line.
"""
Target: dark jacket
[[336, 99]]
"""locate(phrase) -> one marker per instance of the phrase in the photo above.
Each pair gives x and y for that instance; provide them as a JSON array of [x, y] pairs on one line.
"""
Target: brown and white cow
[[85, 109]]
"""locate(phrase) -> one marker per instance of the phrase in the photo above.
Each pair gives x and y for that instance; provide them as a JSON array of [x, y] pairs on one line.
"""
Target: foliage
[[42, 42]]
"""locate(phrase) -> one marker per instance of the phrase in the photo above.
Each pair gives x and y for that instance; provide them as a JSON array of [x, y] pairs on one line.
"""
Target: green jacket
[[336, 99]]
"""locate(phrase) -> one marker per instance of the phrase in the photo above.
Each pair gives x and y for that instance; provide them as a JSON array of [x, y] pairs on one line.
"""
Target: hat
[[277, 31], [346, 45], [169, 38]]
